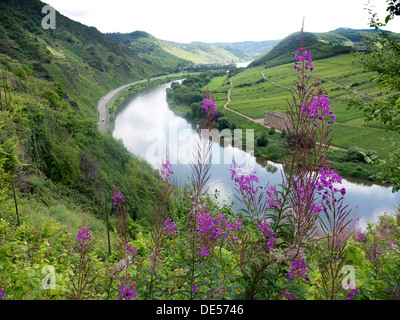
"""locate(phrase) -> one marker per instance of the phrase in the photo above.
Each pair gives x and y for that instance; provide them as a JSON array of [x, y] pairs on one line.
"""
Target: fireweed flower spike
[[353, 294], [169, 228], [118, 198], [83, 239], [248, 192], [318, 110], [131, 253], [362, 238], [166, 169], [265, 228], [303, 55], [2, 294], [298, 270], [80, 276], [211, 231], [209, 108], [127, 291], [121, 217], [287, 295]]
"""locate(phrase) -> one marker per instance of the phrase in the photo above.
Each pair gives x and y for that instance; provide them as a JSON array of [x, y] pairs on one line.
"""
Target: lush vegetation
[[55, 165], [81, 218], [150, 48], [186, 98], [286, 246], [283, 52], [382, 60], [323, 45], [251, 94]]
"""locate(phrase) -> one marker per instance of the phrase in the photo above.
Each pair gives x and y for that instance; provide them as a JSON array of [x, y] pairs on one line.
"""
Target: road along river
[[105, 101], [146, 125]]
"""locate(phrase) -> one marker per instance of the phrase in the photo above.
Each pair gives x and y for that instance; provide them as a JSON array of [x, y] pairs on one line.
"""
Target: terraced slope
[[258, 89]]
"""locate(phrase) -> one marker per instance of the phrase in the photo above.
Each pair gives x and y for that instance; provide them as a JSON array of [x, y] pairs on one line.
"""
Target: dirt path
[[273, 82], [240, 114]]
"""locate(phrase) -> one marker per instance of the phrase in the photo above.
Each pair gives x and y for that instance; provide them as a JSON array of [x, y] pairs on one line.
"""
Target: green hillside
[[200, 52], [175, 54], [252, 95], [84, 61], [356, 36], [322, 46], [50, 145], [150, 48]]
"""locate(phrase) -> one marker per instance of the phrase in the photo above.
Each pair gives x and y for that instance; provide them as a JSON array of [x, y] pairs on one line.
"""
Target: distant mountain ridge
[[194, 52], [322, 45]]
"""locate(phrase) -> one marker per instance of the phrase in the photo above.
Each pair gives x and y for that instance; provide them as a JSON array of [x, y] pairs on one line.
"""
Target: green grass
[[216, 83]]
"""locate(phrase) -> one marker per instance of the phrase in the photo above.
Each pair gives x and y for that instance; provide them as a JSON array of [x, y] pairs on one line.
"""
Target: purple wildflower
[[131, 252], [298, 269], [211, 230], [303, 56], [203, 252], [127, 290], [234, 225], [222, 290], [362, 238], [205, 221], [118, 198], [353, 294], [193, 288], [318, 109], [2, 294], [169, 228], [83, 237], [272, 197], [327, 177], [166, 169], [266, 230], [245, 181], [289, 296], [209, 108]]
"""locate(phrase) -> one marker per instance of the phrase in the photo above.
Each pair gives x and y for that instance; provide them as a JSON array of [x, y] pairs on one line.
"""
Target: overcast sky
[[221, 20]]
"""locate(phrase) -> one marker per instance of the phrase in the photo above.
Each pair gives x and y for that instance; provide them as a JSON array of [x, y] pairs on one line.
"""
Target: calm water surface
[[146, 125]]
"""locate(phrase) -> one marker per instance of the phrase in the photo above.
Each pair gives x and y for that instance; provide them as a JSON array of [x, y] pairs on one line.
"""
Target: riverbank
[[269, 142], [147, 124], [110, 104]]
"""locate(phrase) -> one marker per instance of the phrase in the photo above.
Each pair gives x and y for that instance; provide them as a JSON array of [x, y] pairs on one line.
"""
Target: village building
[[277, 120]]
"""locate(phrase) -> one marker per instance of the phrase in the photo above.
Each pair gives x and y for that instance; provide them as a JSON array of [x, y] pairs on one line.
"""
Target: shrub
[[358, 154], [262, 139], [271, 131]]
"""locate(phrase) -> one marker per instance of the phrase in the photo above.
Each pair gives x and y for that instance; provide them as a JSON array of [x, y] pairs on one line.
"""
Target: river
[[146, 125]]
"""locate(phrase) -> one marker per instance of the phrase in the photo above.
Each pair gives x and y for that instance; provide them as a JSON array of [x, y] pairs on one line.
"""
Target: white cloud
[[222, 20]]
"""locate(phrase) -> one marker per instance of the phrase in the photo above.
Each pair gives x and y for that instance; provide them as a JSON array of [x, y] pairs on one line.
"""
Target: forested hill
[[50, 82], [322, 45], [80, 57], [150, 48]]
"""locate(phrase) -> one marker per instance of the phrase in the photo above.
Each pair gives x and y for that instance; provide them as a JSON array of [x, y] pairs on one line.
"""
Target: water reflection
[[147, 125]]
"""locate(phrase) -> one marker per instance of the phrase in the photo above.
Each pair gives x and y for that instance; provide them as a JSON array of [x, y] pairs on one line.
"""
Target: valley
[[257, 90], [84, 198]]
